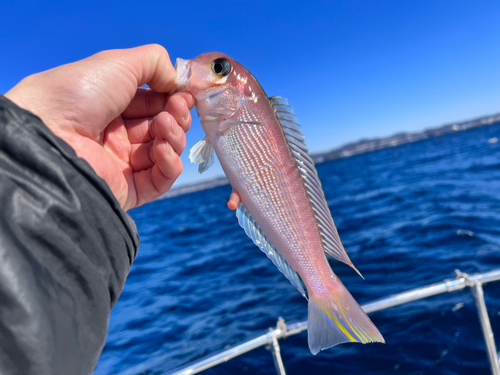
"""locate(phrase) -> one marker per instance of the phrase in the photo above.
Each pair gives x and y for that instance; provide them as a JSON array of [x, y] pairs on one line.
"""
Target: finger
[[178, 108], [146, 129], [165, 127], [146, 103], [141, 156], [139, 130], [234, 200], [148, 64], [115, 139], [157, 180], [189, 98]]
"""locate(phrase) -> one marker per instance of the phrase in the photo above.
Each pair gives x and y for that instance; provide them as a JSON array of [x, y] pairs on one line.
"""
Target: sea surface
[[408, 216]]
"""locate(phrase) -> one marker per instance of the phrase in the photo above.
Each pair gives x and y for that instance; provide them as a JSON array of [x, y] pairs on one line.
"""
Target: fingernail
[[186, 114], [172, 126], [170, 149]]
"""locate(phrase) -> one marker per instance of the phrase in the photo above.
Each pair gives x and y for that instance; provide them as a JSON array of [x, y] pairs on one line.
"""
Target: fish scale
[[260, 146], [271, 191]]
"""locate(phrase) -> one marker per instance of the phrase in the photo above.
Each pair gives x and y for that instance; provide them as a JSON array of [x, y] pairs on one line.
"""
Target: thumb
[[148, 65]]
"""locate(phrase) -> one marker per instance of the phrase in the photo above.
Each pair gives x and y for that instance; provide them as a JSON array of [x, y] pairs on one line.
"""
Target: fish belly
[[260, 166]]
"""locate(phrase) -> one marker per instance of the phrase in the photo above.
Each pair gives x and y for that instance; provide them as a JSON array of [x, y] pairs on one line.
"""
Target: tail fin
[[338, 319]]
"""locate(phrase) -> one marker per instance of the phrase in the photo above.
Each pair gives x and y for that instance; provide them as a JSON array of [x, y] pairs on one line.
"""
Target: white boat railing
[[282, 330]]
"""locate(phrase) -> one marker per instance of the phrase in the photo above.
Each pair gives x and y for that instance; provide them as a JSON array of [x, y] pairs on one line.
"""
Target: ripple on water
[[408, 216]]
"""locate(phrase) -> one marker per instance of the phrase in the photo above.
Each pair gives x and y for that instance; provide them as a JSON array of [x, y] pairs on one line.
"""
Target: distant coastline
[[368, 145], [359, 147], [191, 188]]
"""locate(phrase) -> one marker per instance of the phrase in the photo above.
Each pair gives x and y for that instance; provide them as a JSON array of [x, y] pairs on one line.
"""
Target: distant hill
[[368, 145], [359, 147]]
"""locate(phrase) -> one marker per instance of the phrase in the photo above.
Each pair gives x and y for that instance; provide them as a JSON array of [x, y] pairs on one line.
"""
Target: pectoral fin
[[202, 153]]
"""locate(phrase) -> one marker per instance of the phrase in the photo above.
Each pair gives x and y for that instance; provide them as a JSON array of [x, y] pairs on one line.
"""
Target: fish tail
[[337, 319]]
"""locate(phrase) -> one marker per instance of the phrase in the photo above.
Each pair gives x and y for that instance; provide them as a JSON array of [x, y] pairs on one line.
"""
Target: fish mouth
[[183, 68]]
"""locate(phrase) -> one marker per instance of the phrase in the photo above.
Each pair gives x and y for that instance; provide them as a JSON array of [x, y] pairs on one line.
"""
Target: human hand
[[234, 200], [132, 137]]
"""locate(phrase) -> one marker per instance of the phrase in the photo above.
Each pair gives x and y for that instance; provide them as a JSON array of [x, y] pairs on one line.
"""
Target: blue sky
[[352, 69]]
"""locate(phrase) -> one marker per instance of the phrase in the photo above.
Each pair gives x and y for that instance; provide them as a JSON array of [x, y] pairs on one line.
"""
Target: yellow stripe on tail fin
[[337, 320]]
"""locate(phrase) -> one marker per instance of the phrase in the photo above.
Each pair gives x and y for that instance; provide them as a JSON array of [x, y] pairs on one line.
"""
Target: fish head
[[218, 83]]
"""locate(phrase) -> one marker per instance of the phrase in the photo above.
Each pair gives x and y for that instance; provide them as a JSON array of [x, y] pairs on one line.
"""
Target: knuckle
[[157, 49], [183, 141], [174, 168], [171, 124]]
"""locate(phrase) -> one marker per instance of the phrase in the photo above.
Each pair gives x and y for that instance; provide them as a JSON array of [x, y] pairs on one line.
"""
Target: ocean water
[[408, 216]]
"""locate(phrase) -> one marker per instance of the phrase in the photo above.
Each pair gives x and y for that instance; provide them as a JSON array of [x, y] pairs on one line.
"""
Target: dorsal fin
[[296, 141], [259, 238]]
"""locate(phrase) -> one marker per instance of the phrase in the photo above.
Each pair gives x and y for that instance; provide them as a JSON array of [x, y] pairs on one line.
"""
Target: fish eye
[[221, 67]]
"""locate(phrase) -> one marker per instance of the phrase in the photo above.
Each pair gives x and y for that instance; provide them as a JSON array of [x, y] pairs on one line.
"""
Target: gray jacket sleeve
[[66, 248]]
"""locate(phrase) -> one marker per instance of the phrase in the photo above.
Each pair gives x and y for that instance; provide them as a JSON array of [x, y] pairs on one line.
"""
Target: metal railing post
[[478, 294], [278, 361], [275, 347]]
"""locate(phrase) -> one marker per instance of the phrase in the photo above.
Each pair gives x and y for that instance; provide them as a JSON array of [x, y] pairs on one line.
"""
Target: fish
[[260, 146]]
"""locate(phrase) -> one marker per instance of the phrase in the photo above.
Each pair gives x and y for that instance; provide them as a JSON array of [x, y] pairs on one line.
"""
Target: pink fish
[[260, 146]]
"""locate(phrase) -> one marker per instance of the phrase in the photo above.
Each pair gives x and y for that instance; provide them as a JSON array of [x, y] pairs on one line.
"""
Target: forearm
[[66, 248]]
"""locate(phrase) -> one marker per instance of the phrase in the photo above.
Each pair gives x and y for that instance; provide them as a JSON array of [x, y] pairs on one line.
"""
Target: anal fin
[[259, 238]]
